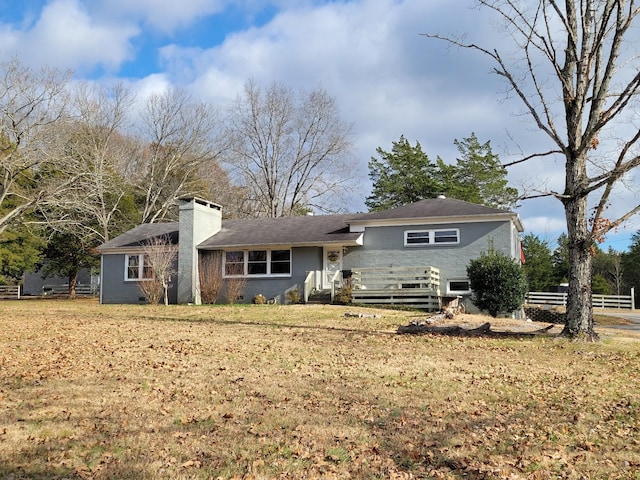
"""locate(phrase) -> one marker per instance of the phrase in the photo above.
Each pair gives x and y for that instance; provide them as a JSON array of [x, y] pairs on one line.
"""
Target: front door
[[332, 264]]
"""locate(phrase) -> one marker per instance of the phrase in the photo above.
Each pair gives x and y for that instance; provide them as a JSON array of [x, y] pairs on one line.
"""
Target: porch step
[[321, 297]]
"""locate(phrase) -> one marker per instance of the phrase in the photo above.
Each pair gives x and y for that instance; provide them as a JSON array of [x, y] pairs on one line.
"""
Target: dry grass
[[135, 392]]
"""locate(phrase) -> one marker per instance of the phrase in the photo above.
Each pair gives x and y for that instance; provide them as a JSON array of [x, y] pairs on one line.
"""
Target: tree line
[[80, 163], [614, 272]]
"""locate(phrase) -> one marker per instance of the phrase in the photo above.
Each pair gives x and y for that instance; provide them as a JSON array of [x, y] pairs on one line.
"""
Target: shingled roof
[[433, 207], [137, 236], [313, 230], [305, 230]]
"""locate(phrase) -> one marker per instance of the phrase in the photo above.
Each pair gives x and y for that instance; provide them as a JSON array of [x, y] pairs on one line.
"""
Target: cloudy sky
[[388, 79]]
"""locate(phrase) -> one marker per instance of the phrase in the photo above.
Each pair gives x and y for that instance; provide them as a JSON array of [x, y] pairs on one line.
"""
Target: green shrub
[[498, 283]]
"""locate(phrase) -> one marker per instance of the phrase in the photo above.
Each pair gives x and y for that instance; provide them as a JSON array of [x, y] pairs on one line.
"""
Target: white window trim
[[246, 264], [431, 234], [140, 277], [458, 292]]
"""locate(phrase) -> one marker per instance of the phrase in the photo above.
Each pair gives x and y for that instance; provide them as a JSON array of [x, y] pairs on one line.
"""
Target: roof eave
[[354, 242], [443, 219]]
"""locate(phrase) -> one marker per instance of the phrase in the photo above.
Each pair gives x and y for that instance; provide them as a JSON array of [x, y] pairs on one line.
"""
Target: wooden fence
[[9, 291], [599, 301], [81, 289]]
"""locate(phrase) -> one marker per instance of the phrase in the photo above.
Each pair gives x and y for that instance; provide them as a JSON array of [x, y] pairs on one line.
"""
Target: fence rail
[[418, 287], [81, 289], [9, 291], [599, 301], [395, 278]]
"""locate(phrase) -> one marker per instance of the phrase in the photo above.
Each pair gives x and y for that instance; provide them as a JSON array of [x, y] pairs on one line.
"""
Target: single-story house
[[406, 254]]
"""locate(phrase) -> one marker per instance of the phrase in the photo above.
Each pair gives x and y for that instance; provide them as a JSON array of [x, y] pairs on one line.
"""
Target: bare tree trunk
[[73, 281], [165, 292], [579, 319]]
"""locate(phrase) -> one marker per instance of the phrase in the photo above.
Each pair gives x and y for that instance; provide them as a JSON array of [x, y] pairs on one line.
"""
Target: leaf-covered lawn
[[97, 391]]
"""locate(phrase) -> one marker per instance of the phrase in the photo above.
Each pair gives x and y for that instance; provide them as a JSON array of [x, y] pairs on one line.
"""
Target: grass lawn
[[142, 392]]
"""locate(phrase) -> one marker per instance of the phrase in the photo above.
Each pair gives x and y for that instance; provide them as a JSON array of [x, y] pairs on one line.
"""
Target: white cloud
[[66, 36], [388, 80], [163, 15], [150, 85], [546, 227]]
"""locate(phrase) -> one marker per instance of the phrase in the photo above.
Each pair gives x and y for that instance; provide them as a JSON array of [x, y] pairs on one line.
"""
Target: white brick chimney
[[199, 219]]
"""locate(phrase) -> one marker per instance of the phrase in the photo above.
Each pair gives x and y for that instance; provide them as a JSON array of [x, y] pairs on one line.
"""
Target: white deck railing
[[418, 287], [311, 284], [395, 278]]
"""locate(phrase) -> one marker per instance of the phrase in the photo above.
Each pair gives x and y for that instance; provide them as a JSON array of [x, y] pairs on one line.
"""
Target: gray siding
[[303, 260], [114, 289], [384, 247]]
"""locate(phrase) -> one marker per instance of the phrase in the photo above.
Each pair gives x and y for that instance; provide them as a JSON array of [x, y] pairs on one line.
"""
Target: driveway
[[631, 315]]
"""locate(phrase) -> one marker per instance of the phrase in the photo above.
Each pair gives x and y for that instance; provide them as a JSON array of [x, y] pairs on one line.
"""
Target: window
[[413, 238], [137, 267], [458, 287], [257, 262], [280, 262], [234, 263], [431, 237], [445, 236]]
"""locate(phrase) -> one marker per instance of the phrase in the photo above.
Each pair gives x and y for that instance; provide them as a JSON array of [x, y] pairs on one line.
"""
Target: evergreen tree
[[402, 176], [67, 254], [406, 175], [479, 177], [560, 259], [20, 252], [538, 267], [630, 270]]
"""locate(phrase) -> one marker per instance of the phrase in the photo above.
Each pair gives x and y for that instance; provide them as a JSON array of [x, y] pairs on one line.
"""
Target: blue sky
[[387, 79]]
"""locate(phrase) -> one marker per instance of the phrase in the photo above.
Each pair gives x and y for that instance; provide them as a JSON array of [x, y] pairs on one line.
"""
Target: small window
[[445, 236], [147, 269], [138, 267], [413, 238], [431, 237], [458, 286], [133, 267]]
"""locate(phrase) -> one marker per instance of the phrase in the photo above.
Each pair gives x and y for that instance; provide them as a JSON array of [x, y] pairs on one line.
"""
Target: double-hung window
[[137, 267], [416, 238], [238, 263]]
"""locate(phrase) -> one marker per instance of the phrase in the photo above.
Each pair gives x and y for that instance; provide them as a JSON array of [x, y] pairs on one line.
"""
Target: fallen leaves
[[106, 391]]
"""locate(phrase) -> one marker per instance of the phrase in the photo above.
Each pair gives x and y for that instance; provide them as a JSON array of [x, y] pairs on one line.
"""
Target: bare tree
[[95, 145], [583, 49], [234, 284], [180, 135], [160, 256], [290, 151], [32, 105], [615, 270], [211, 278], [221, 189]]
